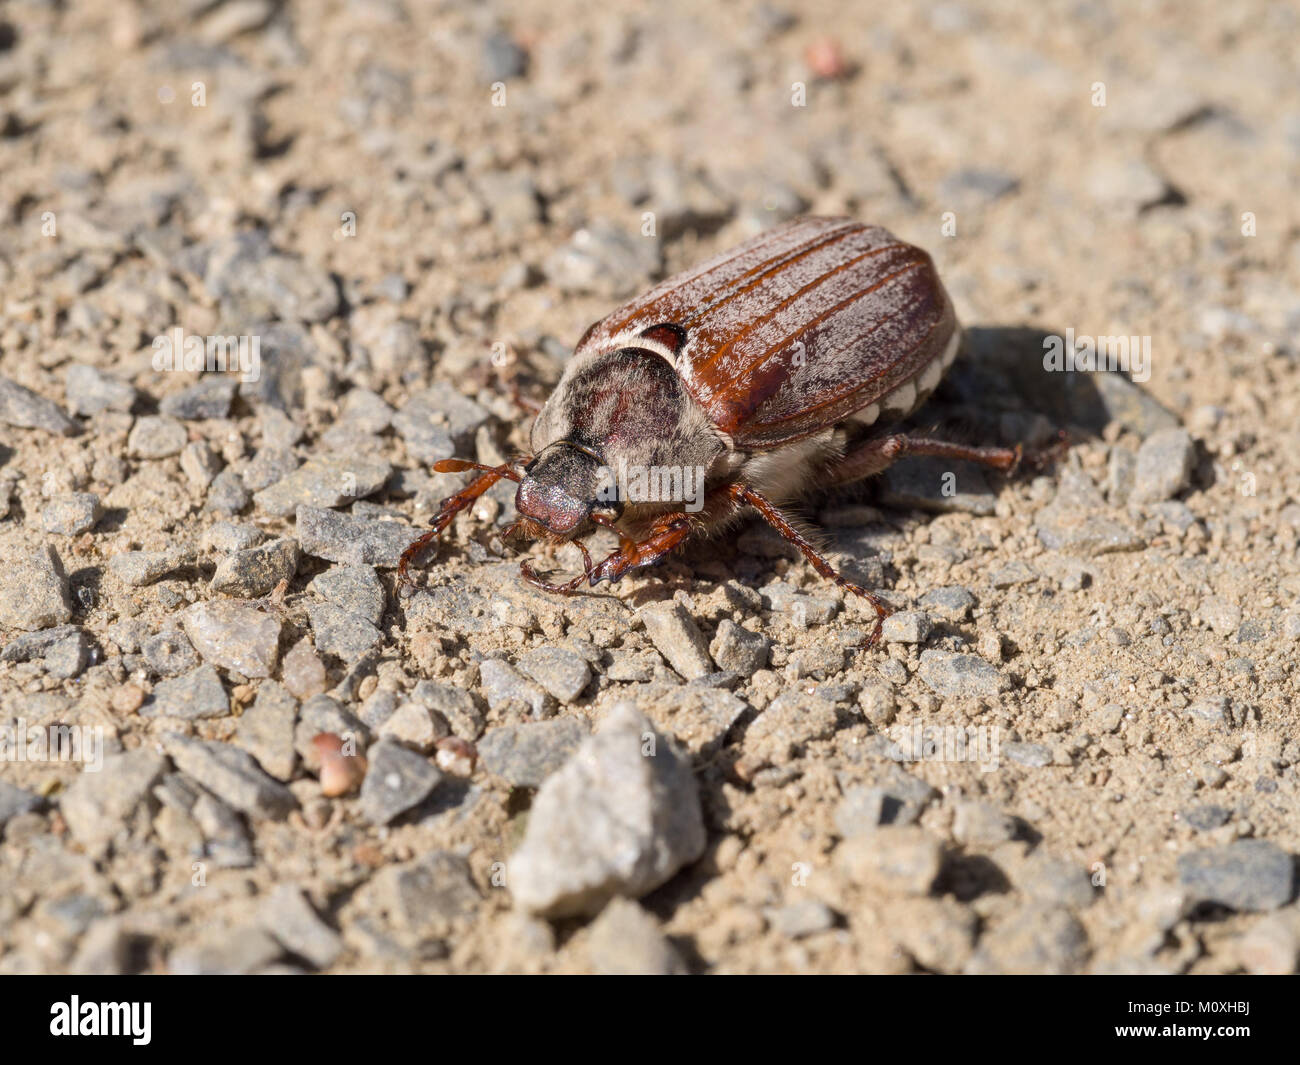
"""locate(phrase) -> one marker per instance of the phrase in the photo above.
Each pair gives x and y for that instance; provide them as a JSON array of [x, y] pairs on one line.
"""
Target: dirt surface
[[1076, 749]]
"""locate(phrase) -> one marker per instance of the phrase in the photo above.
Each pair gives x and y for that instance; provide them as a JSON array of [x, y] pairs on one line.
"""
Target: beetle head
[[563, 487]]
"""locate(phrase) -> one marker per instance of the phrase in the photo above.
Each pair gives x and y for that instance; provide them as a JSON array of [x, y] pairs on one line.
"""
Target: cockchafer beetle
[[774, 369]]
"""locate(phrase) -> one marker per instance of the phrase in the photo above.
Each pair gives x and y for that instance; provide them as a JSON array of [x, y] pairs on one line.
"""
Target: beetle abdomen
[[807, 325]]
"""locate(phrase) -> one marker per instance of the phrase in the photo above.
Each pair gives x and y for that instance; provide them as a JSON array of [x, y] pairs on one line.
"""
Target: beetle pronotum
[[775, 368]]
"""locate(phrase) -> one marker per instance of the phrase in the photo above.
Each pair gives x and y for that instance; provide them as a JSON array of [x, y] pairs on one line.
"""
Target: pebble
[[15, 801], [228, 537], [324, 482], [951, 673], [937, 933], [156, 437], [396, 781], [200, 463], [342, 769], [953, 603], [139, 568], [289, 918], [894, 860], [1036, 938], [927, 484], [981, 824], [562, 673], [34, 594], [24, 409], [737, 650], [208, 398], [806, 917], [235, 635], [1222, 615], [973, 188], [232, 775], [611, 822], [89, 390], [1047, 878], [191, 696], [503, 685], [71, 514], [1271, 947], [414, 725], [227, 494], [99, 805], [266, 730], [697, 716], [302, 670], [256, 571], [604, 259], [456, 705], [1034, 755], [169, 653], [439, 423], [1246, 875], [269, 466], [502, 58], [525, 755], [907, 626], [1206, 817], [1012, 574], [1164, 466], [676, 636], [428, 896], [338, 632], [352, 541], [356, 589], [625, 940]]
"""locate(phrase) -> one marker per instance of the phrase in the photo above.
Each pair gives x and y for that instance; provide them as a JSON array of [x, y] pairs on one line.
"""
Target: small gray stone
[[1164, 466], [340, 633], [257, 570], [1206, 817], [696, 716], [357, 589], [200, 463], [927, 484], [1046, 878], [1246, 875], [100, 804], [502, 57], [71, 514], [266, 730], [455, 704], [229, 537], [626, 941], [169, 653], [396, 781], [676, 636], [227, 494], [562, 673], [289, 917], [981, 824], [894, 860], [953, 603], [89, 390], [34, 593], [269, 466], [907, 626], [972, 188], [324, 482], [35, 644], [191, 696], [525, 755], [738, 650], [15, 801], [352, 541], [156, 437], [235, 635], [23, 408], [429, 896], [139, 568], [414, 725], [1034, 755], [806, 917], [950, 673], [438, 422], [613, 821], [209, 398], [504, 685], [232, 775]]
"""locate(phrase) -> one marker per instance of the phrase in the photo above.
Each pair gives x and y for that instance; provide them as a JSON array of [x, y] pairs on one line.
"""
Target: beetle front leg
[[453, 505], [668, 533]]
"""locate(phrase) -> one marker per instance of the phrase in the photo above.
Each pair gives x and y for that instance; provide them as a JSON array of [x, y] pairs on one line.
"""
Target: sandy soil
[[415, 206]]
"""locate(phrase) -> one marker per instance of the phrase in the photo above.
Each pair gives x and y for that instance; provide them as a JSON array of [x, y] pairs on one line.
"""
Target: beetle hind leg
[[743, 495], [879, 453]]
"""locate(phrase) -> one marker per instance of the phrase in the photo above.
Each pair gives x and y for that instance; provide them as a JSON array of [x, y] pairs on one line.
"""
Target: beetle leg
[[878, 454], [743, 495], [453, 505], [667, 533], [568, 587]]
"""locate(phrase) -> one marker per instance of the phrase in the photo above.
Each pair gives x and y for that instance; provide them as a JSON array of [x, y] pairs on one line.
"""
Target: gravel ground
[[1076, 750]]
